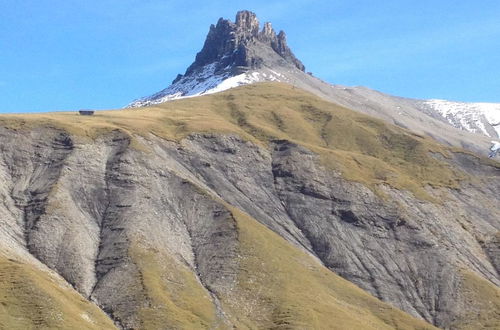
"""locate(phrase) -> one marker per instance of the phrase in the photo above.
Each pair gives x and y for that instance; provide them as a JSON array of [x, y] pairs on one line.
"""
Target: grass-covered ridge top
[[363, 148]]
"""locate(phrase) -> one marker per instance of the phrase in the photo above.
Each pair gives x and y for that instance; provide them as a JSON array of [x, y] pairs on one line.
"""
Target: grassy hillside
[[173, 297], [483, 300], [364, 149], [31, 298], [278, 286]]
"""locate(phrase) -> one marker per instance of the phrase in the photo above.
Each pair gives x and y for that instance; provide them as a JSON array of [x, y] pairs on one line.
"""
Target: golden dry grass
[[173, 296], [483, 304], [34, 299], [364, 149]]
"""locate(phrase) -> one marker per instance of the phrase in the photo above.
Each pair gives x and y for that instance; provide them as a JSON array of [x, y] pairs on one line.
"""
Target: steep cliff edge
[[242, 208]]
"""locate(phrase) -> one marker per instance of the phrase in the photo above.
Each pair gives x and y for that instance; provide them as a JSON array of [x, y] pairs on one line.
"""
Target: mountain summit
[[242, 53], [264, 206], [239, 46], [233, 54]]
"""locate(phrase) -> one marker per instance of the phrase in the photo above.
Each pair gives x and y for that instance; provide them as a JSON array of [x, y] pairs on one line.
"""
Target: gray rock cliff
[[79, 206], [239, 46]]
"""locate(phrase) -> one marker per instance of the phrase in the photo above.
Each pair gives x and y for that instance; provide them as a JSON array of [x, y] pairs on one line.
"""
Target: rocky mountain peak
[[247, 22], [267, 31], [242, 45], [239, 50]]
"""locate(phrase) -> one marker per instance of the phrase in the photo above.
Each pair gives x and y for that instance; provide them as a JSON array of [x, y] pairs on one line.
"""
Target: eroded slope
[[153, 214]]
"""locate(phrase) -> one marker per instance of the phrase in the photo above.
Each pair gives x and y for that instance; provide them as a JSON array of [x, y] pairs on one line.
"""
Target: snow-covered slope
[[206, 81], [482, 118]]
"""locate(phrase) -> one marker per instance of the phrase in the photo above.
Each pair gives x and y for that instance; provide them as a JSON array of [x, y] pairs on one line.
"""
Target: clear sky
[[74, 54]]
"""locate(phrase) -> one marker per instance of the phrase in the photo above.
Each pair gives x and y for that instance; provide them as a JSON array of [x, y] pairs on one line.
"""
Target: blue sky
[[73, 54]]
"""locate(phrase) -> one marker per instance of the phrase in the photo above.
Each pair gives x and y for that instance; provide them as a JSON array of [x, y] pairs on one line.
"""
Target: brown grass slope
[[483, 307], [363, 148], [31, 298], [172, 297], [298, 292]]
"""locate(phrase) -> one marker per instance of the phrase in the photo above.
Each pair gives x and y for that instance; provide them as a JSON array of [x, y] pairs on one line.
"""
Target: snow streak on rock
[[205, 82]]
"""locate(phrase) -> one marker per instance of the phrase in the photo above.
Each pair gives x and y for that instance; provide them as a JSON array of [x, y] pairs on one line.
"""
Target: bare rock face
[[83, 209], [236, 51], [239, 45]]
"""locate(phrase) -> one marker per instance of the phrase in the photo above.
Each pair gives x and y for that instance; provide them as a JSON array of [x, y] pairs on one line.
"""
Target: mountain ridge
[[120, 191], [284, 204], [475, 117], [240, 53], [233, 54]]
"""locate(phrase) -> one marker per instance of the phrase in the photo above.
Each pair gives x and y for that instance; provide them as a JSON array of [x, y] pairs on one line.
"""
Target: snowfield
[[472, 117]]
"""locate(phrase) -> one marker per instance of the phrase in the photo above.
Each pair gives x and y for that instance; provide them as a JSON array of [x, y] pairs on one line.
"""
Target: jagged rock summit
[[233, 54], [241, 46]]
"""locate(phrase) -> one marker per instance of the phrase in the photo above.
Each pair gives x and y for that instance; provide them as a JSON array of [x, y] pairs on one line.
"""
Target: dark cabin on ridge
[[86, 112]]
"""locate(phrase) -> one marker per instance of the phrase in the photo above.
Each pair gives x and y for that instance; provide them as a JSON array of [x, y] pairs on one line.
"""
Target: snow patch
[[206, 81], [483, 118], [494, 149]]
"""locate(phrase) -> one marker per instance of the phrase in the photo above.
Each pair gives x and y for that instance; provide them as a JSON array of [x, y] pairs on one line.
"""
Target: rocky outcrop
[[234, 54], [84, 209], [240, 46]]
